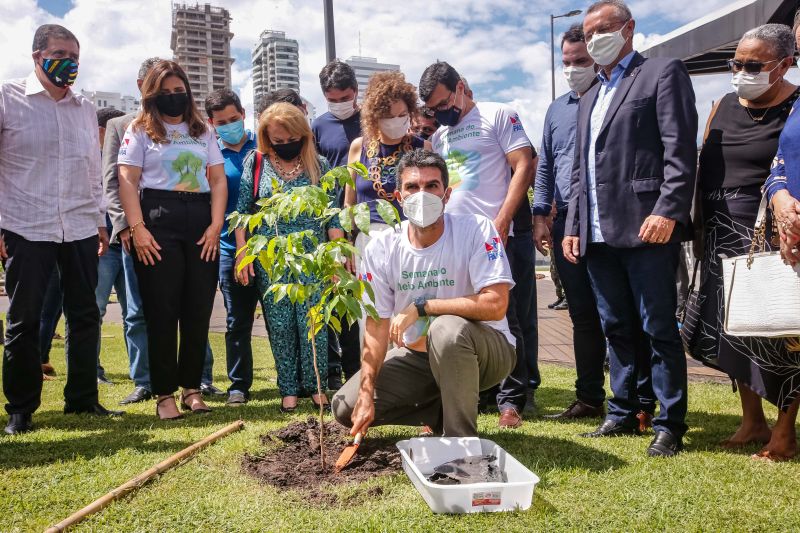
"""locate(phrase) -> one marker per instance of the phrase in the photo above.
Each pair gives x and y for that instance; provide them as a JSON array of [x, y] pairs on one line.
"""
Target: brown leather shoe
[[510, 418], [579, 409], [645, 421], [48, 370]]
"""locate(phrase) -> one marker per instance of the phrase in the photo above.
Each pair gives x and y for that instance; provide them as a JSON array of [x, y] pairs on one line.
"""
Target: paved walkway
[[555, 331]]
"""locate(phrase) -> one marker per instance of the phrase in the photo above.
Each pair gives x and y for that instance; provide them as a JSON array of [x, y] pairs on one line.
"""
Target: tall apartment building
[[366, 67], [100, 99], [201, 44], [276, 64]]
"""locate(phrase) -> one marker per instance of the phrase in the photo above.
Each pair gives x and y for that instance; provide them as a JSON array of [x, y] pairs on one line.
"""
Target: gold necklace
[[755, 118], [286, 174], [377, 164]]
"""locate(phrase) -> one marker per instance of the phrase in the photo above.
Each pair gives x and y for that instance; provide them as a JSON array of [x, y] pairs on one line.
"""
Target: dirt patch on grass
[[292, 459]]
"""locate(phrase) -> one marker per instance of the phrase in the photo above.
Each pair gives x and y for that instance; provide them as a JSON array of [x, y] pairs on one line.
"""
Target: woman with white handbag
[[738, 149], [783, 192]]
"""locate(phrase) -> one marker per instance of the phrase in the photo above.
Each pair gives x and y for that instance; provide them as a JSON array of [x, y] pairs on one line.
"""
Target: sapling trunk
[[319, 395]]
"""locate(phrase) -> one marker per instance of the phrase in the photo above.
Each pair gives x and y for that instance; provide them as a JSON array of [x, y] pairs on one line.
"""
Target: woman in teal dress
[[288, 156]]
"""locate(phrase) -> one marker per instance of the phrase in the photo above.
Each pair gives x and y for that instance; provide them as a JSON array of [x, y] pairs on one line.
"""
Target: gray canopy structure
[[706, 43]]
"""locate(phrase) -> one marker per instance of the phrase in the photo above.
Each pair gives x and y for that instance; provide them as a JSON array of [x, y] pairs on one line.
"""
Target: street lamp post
[[330, 36], [572, 13]]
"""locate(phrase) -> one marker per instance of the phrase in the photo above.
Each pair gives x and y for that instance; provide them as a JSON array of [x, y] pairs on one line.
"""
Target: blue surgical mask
[[231, 133]]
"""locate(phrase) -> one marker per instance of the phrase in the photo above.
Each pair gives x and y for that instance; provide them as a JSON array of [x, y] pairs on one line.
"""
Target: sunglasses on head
[[750, 67]]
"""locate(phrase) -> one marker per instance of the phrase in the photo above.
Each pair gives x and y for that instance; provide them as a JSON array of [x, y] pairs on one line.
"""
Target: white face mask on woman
[[605, 47], [751, 86], [423, 208], [394, 128]]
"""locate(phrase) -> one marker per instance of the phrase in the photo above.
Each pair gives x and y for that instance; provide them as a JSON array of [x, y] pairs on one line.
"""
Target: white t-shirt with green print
[[467, 257], [180, 164], [475, 150]]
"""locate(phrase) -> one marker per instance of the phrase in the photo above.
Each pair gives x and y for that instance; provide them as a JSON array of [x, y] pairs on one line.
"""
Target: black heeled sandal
[[158, 402], [186, 407]]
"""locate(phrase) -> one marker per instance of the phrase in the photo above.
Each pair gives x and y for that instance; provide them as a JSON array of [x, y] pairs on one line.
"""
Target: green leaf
[[255, 221], [280, 291], [387, 212], [246, 260], [335, 323], [346, 220], [372, 312], [353, 307], [359, 169], [361, 213], [292, 291]]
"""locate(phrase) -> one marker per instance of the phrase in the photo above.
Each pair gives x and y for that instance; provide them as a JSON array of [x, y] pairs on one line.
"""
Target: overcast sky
[[501, 46]]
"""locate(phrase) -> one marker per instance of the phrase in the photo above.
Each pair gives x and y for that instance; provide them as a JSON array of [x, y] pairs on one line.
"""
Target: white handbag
[[762, 293]]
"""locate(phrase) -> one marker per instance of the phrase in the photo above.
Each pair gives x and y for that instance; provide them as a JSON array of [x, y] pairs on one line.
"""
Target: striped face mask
[[61, 72]]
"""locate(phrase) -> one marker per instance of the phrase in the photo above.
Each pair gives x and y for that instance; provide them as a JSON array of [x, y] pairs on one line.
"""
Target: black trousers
[[28, 269], [178, 291], [344, 351], [512, 391]]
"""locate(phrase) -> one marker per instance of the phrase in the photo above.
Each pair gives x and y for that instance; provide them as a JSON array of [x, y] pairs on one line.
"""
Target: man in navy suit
[[631, 192]]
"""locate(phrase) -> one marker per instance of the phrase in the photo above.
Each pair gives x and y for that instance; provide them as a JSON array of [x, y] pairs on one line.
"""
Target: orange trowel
[[348, 453]]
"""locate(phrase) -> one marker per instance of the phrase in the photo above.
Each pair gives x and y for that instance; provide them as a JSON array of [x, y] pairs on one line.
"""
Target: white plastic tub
[[422, 455]]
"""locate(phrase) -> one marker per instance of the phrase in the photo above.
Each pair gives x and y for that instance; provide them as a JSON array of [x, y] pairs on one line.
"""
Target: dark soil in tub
[[292, 459]]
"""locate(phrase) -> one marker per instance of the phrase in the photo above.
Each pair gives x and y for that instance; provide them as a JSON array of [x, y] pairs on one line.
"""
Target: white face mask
[[580, 78], [605, 47], [342, 110], [751, 86], [423, 208], [394, 128]]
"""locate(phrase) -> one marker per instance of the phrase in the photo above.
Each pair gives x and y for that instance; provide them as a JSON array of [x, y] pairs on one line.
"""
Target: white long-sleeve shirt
[[50, 174]]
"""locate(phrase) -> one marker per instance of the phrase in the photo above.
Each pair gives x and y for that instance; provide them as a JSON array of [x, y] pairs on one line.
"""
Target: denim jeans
[[135, 327], [110, 274], [240, 305], [635, 290]]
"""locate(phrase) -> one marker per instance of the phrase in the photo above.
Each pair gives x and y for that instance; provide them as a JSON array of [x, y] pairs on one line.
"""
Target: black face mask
[[288, 151], [172, 105]]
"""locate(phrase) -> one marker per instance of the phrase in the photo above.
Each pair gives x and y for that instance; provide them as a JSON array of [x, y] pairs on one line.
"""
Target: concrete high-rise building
[[276, 64], [366, 67], [100, 99], [201, 44]]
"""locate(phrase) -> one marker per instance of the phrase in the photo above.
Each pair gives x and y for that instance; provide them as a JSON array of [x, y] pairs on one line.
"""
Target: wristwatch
[[419, 303]]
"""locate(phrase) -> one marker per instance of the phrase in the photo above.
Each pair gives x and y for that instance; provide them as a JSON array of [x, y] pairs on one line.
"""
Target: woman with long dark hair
[[173, 190]]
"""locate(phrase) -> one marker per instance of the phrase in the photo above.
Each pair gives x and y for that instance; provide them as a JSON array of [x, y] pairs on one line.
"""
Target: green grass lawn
[[586, 485]]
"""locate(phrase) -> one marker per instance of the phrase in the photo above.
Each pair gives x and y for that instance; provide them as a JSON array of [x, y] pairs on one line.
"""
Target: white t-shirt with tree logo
[[467, 257], [475, 150], [178, 165]]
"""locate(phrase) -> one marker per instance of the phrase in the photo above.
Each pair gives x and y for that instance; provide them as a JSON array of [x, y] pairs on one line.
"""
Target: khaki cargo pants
[[438, 388]]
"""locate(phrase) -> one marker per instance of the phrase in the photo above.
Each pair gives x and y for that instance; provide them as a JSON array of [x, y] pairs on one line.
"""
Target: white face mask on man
[[423, 208], [394, 128], [605, 47], [580, 79], [342, 110]]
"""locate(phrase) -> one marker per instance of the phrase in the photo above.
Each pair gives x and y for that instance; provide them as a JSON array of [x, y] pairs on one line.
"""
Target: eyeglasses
[[445, 105], [750, 67]]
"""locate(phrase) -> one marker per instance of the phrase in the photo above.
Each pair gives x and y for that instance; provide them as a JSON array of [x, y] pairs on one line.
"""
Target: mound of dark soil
[[292, 459]]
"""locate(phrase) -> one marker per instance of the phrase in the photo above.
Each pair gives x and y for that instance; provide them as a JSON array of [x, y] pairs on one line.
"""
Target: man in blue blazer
[[631, 192]]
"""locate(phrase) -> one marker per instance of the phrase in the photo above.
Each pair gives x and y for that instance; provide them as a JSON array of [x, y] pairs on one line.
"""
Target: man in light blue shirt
[[608, 88]]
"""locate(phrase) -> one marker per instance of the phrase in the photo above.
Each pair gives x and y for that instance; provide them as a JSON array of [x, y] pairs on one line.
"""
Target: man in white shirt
[[51, 213], [491, 163], [441, 284]]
